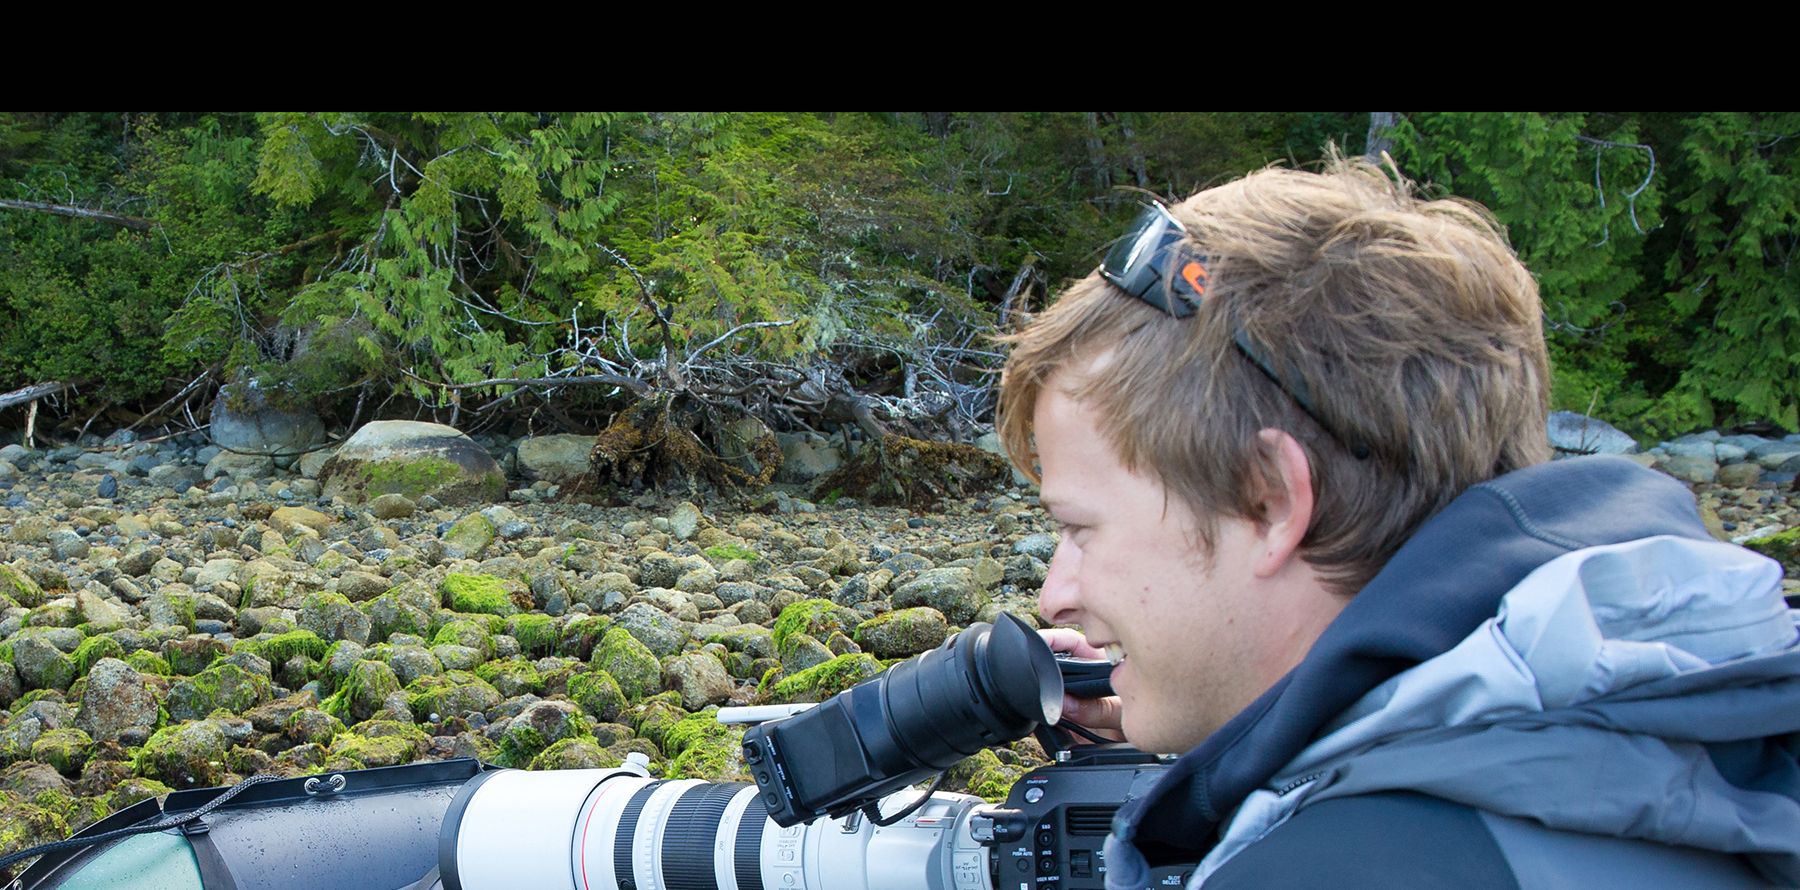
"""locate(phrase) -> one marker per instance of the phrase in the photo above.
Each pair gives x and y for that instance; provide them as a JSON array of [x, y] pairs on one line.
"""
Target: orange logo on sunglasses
[[1195, 275]]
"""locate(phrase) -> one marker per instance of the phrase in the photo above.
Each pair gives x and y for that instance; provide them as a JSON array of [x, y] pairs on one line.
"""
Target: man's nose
[[1059, 598]]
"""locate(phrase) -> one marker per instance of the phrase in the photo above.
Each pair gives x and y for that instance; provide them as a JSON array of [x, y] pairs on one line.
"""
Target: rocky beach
[[173, 615]]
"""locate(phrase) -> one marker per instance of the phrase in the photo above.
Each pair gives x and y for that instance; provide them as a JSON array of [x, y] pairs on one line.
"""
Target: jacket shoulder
[[1396, 839]]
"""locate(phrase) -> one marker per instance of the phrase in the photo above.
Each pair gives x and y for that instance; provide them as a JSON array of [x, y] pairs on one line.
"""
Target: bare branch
[[129, 222]]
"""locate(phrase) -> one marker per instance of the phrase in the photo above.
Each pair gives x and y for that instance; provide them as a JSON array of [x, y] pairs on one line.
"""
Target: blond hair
[[1410, 325]]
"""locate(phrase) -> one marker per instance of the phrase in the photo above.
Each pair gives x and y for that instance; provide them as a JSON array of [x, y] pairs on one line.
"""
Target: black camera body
[[1051, 831]]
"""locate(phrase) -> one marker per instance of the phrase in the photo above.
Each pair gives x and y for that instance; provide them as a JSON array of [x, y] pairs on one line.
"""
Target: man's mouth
[[1115, 653]]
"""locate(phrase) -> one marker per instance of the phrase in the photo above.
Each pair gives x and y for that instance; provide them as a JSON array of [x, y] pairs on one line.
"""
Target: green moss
[[730, 552], [822, 681], [223, 685], [132, 790], [24, 701], [93, 649], [23, 824], [281, 647], [656, 716], [1783, 547], [985, 775], [537, 633], [377, 743], [598, 693], [478, 593], [66, 749], [451, 694], [413, 477], [145, 661], [629, 662], [362, 692], [817, 617], [581, 634], [465, 632], [512, 676], [582, 752], [19, 587]]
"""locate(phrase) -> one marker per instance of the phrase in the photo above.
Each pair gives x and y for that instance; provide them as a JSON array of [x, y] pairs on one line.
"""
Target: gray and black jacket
[[1561, 681]]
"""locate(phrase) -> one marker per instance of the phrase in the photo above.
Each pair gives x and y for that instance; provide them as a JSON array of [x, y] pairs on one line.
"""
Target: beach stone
[[1690, 469], [630, 663], [188, 755], [40, 663], [291, 520], [238, 467], [556, 458], [684, 521], [1742, 475], [700, 678], [414, 459], [952, 591], [66, 545], [392, 506], [539, 726], [1573, 433], [179, 477], [361, 586], [333, 617], [469, 537], [656, 629], [117, 704]]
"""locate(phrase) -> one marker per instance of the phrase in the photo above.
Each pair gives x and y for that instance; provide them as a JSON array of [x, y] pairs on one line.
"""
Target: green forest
[[538, 270]]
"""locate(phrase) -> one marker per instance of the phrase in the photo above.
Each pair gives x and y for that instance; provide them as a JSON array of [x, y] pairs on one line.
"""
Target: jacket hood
[[1442, 585]]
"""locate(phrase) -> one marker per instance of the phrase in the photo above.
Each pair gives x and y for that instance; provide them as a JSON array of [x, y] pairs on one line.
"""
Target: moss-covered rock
[[413, 459], [132, 790], [191, 655], [377, 743], [597, 693], [392, 613], [469, 537], [512, 676], [23, 823], [66, 749], [310, 726], [700, 747], [984, 775], [699, 678], [1783, 547], [481, 593], [580, 634], [145, 661], [279, 648], [799, 651], [826, 680], [464, 632], [753, 639], [537, 633], [951, 590], [538, 727], [903, 632], [20, 588], [187, 755], [117, 703], [332, 616], [453, 694], [655, 716], [224, 685], [362, 692], [818, 618], [630, 663], [576, 753], [40, 662], [93, 649]]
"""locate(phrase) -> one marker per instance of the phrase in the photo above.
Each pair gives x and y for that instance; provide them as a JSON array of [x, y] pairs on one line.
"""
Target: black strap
[[214, 873]]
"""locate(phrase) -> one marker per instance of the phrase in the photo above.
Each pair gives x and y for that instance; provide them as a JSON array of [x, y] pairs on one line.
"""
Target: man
[[1293, 433]]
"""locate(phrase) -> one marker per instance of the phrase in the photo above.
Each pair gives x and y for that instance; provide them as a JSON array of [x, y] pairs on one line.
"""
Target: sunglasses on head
[[1154, 263]]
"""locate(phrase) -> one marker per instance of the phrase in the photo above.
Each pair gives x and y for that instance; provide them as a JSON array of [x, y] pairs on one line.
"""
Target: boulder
[[952, 591], [414, 459], [805, 457], [700, 678], [558, 458], [1572, 433], [244, 419], [117, 704]]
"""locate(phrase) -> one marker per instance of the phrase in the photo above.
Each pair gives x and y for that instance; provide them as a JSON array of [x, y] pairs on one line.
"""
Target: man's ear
[[1287, 502]]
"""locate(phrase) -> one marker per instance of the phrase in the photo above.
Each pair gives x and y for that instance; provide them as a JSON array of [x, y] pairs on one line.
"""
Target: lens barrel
[[988, 685]]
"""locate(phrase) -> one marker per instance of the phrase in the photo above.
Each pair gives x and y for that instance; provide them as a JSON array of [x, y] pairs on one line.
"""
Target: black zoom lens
[[989, 685]]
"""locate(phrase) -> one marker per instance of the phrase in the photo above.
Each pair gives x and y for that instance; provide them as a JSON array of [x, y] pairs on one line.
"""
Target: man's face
[[1200, 637]]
